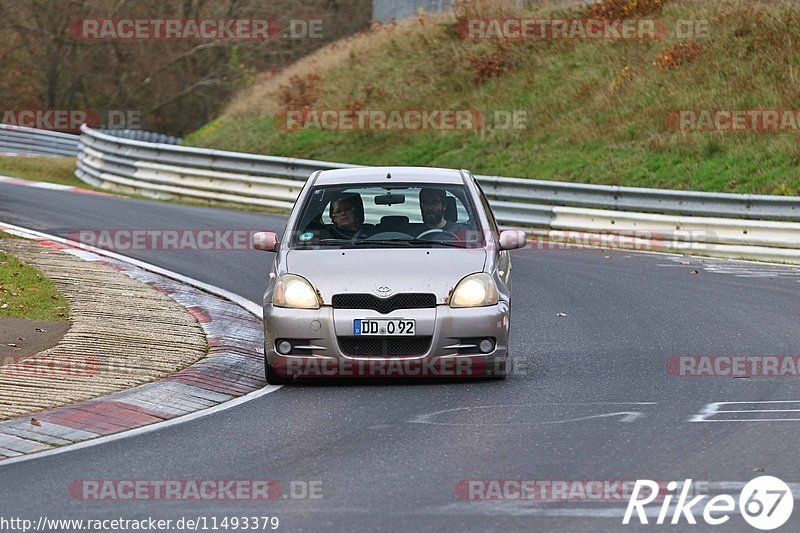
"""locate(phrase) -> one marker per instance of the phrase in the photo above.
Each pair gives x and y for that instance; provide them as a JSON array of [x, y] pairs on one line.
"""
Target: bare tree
[[176, 85]]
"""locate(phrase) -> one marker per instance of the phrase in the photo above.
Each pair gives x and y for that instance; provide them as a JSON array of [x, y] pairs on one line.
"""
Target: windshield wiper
[[383, 242], [451, 244], [409, 242], [388, 242]]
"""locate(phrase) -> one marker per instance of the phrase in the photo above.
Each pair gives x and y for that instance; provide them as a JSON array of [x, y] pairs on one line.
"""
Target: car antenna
[[388, 175]]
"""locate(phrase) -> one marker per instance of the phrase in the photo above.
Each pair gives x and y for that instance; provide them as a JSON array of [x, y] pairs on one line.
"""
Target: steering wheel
[[360, 234], [439, 231], [339, 234]]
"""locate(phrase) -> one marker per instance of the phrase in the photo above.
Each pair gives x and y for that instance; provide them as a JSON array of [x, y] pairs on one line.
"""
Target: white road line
[[737, 268], [158, 426], [758, 401], [752, 420], [763, 411], [626, 416], [712, 409], [250, 306]]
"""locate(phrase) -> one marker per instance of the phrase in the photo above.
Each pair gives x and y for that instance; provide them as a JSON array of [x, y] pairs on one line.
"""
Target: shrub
[[679, 54], [621, 9], [301, 92], [489, 65]]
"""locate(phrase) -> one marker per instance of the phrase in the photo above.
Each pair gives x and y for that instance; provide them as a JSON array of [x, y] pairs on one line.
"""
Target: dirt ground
[[29, 337]]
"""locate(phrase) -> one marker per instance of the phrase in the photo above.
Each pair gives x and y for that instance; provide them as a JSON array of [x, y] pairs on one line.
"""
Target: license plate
[[394, 326]]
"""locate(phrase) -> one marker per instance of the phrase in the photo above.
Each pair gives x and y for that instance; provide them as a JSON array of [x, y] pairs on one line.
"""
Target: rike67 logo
[[765, 503]]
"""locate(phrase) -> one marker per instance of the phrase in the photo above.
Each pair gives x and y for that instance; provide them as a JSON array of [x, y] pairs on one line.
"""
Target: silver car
[[388, 271]]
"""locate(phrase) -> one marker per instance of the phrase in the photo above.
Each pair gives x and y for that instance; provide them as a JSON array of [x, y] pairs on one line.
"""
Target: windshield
[[372, 215]]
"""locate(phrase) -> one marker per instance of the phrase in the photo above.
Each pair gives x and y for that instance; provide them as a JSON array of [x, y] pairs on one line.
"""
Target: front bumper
[[445, 356]]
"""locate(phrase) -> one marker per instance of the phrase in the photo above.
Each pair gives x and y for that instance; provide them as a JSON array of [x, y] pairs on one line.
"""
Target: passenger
[[347, 217]]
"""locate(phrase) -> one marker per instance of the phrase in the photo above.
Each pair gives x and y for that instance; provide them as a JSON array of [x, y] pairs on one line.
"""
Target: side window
[[488, 209], [461, 209]]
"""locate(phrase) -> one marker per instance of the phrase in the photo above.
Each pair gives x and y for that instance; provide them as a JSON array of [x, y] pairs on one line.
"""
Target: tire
[[273, 378]]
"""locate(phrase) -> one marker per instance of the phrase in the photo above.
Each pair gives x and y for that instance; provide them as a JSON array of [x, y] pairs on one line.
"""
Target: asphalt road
[[591, 398]]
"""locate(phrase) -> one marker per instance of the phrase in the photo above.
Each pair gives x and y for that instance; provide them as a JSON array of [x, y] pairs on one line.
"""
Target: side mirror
[[266, 241], [512, 239]]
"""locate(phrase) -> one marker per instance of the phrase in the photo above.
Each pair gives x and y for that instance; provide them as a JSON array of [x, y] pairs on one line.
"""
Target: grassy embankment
[[42, 168], [596, 110]]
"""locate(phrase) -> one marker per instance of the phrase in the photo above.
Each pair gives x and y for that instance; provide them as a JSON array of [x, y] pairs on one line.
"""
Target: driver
[[432, 203]]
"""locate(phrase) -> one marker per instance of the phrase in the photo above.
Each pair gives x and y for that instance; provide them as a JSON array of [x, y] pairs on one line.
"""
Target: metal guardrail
[[142, 135], [163, 170], [511, 195], [31, 141], [722, 224], [21, 140], [617, 198], [732, 225]]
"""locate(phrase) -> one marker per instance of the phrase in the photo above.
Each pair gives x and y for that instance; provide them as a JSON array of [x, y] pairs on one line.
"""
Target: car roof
[[358, 175]]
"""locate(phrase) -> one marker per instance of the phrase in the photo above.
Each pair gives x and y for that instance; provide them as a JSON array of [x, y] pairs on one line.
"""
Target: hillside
[[597, 111]]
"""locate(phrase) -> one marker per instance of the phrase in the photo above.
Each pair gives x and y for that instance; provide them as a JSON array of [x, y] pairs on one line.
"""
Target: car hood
[[430, 270]]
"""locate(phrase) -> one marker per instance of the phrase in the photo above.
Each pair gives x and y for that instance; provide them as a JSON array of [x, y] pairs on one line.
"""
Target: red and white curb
[[51, 186], [233, 369]]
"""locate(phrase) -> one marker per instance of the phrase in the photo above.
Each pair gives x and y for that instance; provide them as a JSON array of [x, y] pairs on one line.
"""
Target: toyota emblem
[[384, 291]]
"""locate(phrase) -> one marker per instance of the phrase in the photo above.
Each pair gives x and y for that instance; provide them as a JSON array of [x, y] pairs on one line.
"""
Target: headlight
[[475, 290], [294, 291]]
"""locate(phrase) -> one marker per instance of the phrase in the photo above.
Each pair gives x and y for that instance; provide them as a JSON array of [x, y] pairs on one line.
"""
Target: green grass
[[26, 293], [42, 168], [596, 110]]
